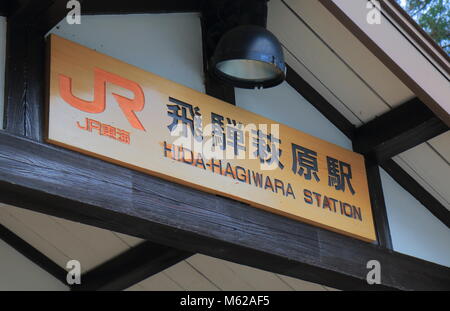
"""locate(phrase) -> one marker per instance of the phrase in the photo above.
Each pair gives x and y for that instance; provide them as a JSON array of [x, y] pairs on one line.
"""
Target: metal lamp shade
[[249, 57]]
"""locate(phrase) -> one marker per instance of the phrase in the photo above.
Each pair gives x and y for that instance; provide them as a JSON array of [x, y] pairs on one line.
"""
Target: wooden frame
[[4, 8], [378, 204], [398, 130]]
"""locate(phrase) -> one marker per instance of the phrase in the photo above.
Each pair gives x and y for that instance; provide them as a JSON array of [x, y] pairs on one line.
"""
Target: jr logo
[[128, 106]]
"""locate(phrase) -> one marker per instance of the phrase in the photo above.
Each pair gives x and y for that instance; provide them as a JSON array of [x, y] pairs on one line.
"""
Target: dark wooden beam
[[32, 254], [417, 191], [131, 267], [319, 102], [26, 11], [398, 130], [378, 204], [217, 18], [340, 12], [139, 6], [25, 65], [4, 8], [95, 7], [72, 186]]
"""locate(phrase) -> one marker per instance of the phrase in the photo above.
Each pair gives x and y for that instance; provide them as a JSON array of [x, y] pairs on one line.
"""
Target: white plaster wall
[[2, 66], [19, 273], [285, 105], [414, 230], [169, 45]]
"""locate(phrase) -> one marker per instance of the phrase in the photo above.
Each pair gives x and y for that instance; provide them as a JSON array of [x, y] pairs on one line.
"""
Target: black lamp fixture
[[249, 56]]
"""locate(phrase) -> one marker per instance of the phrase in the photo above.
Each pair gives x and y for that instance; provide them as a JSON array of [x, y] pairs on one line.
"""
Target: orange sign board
[[106, 108]]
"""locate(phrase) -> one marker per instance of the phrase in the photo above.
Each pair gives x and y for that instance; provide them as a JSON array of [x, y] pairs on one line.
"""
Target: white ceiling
[[62, 240], [429, 165]]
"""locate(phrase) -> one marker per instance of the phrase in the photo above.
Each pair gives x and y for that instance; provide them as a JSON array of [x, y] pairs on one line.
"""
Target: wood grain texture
[[419, 70], [25, 59], [398, 130], [72, 186]]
